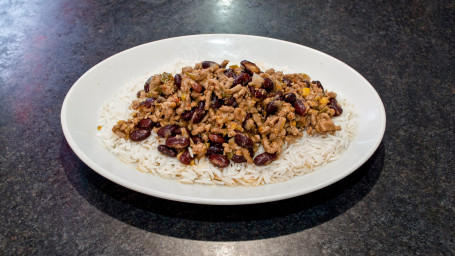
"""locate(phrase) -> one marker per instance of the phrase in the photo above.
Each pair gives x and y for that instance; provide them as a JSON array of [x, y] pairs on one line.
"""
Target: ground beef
[[230, 111]]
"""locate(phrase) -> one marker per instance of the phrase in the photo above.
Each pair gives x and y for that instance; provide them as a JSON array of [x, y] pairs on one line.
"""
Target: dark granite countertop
[[399, 202]]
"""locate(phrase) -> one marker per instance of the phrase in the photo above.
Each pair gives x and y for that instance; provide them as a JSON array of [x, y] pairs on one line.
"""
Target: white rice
[[298, 158]]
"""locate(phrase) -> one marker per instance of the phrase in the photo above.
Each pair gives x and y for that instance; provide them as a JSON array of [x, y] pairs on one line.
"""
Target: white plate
[[79, 114]]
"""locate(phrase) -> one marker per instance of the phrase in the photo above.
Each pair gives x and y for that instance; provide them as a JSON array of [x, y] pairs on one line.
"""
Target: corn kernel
[[306, 92], [323, 101]]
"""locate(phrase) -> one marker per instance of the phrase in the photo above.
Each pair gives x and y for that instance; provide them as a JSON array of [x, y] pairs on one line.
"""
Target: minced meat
[[227, 113]]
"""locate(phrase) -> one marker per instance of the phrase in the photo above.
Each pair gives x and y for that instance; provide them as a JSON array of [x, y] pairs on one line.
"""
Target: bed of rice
[[298, 158]]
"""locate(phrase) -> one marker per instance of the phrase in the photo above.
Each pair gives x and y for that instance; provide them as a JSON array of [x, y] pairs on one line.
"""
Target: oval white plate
[[79, 114]]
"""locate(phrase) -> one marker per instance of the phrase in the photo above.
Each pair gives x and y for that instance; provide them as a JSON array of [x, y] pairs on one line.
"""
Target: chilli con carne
[[227, 113]]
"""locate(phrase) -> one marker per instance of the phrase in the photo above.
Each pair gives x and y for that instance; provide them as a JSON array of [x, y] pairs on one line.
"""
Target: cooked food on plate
[[223, 123]]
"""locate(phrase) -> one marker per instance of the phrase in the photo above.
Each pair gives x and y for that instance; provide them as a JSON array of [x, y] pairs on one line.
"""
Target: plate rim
[[208, 201]]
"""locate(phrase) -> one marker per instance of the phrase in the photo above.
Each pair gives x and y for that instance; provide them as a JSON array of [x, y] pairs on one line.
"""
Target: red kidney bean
[[290, 97], [238, 159], [276, 95], [197, 139], [230, 102], [250, 67], [333, 104], [243, 140], [229, 72], [264, 159], [251, 152], [318, 84], [145, 124], [185, 157], [251, 90], [178, 80], [287, 81], [268, 84], [187, 115], [216, 138], [271, 108], [260, 94], [178, 131], [242, 78], [215, 102], [165, 150], [140, 134], [197, 116], [148, 102], [199, 113], [214, 149], [208, 64], [174, 142], [147, 84], [299, 107], [200, 106], [168, 130], [219, 160], [196, 86]]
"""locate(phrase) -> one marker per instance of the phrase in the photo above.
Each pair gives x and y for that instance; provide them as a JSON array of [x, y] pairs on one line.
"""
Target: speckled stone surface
[[401, 202]]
